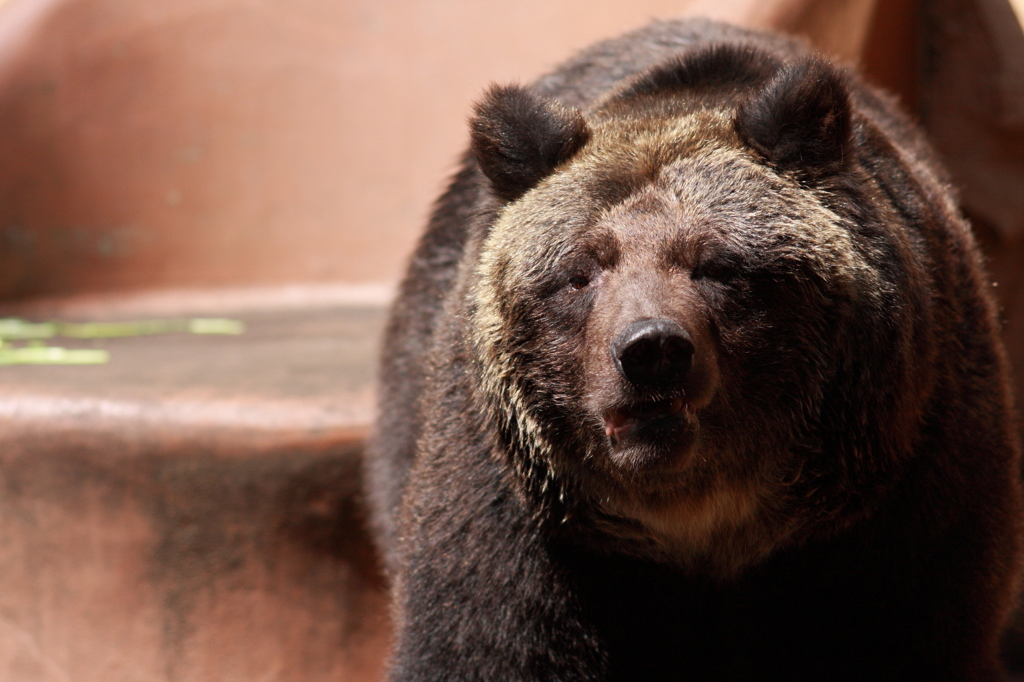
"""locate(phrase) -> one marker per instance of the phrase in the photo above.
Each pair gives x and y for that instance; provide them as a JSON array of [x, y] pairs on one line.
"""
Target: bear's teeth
[[618, 423]]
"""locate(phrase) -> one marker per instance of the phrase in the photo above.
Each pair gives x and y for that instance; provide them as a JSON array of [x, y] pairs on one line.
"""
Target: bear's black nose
[[653, 353]]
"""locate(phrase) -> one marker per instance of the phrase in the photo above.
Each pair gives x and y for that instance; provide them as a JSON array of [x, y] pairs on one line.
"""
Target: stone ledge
[[191, 510]]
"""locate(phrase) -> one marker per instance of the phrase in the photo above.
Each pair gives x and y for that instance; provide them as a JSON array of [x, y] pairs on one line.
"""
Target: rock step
[[191, 509]]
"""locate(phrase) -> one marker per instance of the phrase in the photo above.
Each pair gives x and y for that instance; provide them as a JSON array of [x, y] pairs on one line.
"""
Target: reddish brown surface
[[127, 561], [190, 511]]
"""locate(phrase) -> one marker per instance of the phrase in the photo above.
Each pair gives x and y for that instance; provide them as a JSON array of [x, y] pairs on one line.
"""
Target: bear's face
[[660, 321]]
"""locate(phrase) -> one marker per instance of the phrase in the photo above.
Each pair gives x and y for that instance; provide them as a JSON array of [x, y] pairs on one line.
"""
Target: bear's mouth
[[622, 424]]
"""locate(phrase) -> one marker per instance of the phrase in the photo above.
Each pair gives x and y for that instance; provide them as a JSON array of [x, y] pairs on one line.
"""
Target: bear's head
[[697, 316]]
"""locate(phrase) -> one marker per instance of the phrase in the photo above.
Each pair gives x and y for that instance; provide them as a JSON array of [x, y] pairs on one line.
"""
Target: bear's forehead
[[691, 170], [642, 137], [654, 183], [697, 161]]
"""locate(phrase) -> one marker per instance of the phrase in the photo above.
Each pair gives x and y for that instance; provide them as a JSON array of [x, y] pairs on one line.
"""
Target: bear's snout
[[653, 353]]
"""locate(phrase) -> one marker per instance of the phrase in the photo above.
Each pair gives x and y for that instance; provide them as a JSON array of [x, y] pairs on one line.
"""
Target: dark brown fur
[[826, 489]]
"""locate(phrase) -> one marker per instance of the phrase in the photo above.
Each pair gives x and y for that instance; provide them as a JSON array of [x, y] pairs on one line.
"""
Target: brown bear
[[695, 376]]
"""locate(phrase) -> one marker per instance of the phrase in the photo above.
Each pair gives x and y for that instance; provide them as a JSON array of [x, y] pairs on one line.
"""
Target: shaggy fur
[[695, 375]]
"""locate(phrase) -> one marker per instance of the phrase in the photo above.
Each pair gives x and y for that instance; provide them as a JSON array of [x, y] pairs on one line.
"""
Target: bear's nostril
[[653, 352]]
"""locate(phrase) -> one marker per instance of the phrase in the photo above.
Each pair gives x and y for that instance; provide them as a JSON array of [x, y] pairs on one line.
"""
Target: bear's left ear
[[800, 121], [519, 138]]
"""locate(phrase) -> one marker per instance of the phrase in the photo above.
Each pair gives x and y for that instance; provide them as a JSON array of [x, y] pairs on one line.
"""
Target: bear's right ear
[[519, 138]]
